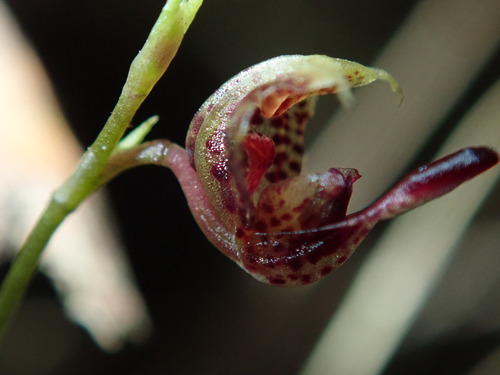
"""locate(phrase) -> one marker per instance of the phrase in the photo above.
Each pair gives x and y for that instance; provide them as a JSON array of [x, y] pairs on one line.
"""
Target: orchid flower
[[241, 171]]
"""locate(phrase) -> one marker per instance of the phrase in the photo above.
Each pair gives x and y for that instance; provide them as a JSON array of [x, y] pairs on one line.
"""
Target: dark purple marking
[[239, 233], [274, 221], [280, 139], [276, 281], [228, 200], [319, 245], [299, 149], [280, 157], [294, 166], [267, 208], [272, 177], [260, 226], [282, 175], [306, 279], [219, 172], [341, 260], [276, 176], [257, 118], [278, 122], [301, 117], [326, 270], [295, 263]]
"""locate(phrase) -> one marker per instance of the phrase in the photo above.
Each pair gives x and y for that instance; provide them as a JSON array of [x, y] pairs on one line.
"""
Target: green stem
[[146, 69]]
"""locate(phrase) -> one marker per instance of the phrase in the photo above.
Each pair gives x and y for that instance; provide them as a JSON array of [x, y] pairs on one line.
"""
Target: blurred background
[[208, 316]]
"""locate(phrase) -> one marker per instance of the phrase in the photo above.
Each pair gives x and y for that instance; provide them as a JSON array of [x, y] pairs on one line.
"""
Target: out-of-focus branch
[[406, 263], [435, 56]]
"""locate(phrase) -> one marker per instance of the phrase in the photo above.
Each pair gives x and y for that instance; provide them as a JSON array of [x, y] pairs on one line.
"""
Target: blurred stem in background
[[147, 68]]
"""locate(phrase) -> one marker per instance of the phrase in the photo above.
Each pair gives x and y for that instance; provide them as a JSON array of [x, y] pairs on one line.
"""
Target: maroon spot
[[266, 207], [286, 217], [276, 176], [295, 263], [294, 166], [337, 243], [240, 233], [228, 200], [356, 72], [276, 280], [274, 221], [341, 259], [219, 172], [279, 139], [278, 122], [260, 226], [257, 118], [301, 117], [326, 270], [281, 175], [272, 177], [306, 279], [280, 157], [281, 203], [299, 149], [292, 276]]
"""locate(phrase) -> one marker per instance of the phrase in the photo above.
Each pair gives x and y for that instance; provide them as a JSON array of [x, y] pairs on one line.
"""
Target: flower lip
[[246, 146]]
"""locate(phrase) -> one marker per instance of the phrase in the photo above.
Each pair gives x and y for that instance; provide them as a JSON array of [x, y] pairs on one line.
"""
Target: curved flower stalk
[[241, 171], [145, 71]]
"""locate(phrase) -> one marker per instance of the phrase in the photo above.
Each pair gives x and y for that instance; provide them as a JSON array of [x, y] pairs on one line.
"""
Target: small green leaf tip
[[136, 136]]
